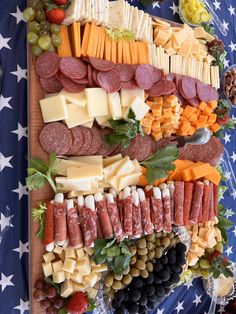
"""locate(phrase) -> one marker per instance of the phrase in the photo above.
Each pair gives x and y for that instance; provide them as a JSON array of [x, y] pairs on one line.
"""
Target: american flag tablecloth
[[14, 246]]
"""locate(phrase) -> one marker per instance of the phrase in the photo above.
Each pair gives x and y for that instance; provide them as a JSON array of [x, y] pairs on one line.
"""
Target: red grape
[[58, 302], [45, 303], [51, 310], [39, 295], [51, 292], [39, 284]]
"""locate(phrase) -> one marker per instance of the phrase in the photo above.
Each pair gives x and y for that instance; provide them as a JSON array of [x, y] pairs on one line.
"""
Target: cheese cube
[[211, 242], [62, 255], [131, 179], [99, 277], [66, 288], [88, 124], [75, 98], [89, 250], [67, 275], [57, 266], [193, 248], [91, 279], [109, 160], [79, 287], [92, 293], [139, 108], [114, 105], [80, 253], [70, 253], [92, 262], [58, 250], [127, 96], [54, 108], [86, 172], [99, 268], [96, 159], [76, 277], [202, 232], [192, 259], [112, 168], [200, 251], [58, 277], [126, 167], [199, 32], [69, 265], [47, 269], [68, 184], [83, 266], [61, 165], [103, 120], [218, 234], [96, 102], [48, 257], [77, 115]]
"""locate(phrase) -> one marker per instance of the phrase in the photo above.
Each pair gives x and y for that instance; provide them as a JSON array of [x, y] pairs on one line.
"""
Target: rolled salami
[[120, 208], [60, 220], [188, 196], [74, 232], [103, 216], [127, 212], [205, 201], [166, 208], [136, 216], [148, 191], [114, 216], [145, 212], [211, 203], [179, 203], [48, 237], [215, 191], [171, 187], [157, 209], [196, 203]]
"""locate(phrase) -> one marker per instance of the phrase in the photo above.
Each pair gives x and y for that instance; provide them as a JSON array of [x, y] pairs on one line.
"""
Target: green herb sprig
[[38, 215], [115, 255], [39, 173], [159, 164], [224, 224]]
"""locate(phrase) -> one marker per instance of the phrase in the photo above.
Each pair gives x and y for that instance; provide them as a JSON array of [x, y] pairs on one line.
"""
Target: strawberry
[[61, 2], [78, 303], [223, 120], [215, 256], [56, 15]]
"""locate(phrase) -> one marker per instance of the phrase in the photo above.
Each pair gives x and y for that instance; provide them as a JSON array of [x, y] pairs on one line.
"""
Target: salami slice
[[47, 64], [114, 216], [136, 213], [157, 211], [100, 234], [216, 193], [179, 202], [195, 102], [74, 232], [204, 91], [188, 87], [211, 203], [96, 141], [144, 76], [130, 85], [169, 87], [140, 147], [214, 95], [166, 209], [83, 81], [110, 81], [178, 79], [48, 236], [126, 71], [157, 89], [77, 140], [60, 223], [196, 202], [205, 201], [90, 77], [127, 216], [145, 212], [103, 215], [156, 75], [95, 77], [51, 85], [170, 77], [70, 85], [119, 202], [105, 149], [87, 220], [188, 196], [101, 65], [73, 68], [55, 137], [87, 141], [171, 187]]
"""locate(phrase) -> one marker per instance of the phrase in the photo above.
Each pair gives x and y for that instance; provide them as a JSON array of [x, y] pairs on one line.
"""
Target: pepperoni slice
[[126, 71], [170, 77], [195, 102], [87, 141], [129, 85], [156, 76], [47, 64], [73, 68], [84, 80], [77, 140], [204, 91], [104, 149], [101, 65], [95, 74], [169, 87], [90, 77], [110, 81], [188, 87], [157, 89], [96, 141], [70, 85], [143, 76], [51, 85]]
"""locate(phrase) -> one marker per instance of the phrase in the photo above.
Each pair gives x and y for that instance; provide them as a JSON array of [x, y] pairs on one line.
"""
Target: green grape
[[55, 29], [29, 14], [44, 42], [40, 15], [196, 266], [56, 40], [45, 25], [43, 33], [204, 263], [32, 38], [210, 250], [204, 274], [34, 27], [219, 247], [51, 48], [36, 50]]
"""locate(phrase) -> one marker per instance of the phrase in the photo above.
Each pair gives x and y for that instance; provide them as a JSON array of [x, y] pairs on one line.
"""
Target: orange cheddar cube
[[147, 130], [167, 113], [192, 130], [193, 118], [212, 118], [147, 122], [214, 176], [202, 105], [215, 127], [159, 100], [150, 104], [201, 171], [202, 118], [186, 174], [157, 110], [156, 127], [198, 112], [188, 111], [207, 111], [156, 135], [212, 104], [200, 125]]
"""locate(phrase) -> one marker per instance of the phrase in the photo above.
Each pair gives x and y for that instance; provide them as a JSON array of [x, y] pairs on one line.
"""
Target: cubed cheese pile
[[121, 172], [93, 103], [162, 120], [74, 269], [193, 118], [202, 236]]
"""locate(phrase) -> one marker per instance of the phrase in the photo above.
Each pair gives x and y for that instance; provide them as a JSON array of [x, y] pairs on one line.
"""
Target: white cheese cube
[[83, 266], [96, 102], [67, 275], [127, 96], [218, 234], [66, 288], [99, 268], [136, 165], [211, 242], [47, 269], [192, 259], [114, 105], [91, 279], [125, 168], [70, 253], [54, 108], [92, 262], [69, 265], [112, 168], [139, 107], [88, 124], [76, 277], [79, 287], [58, 250], [48, 257], [109, 160], [76, 115], [89, 250], [92, 293], [86, 172], [57, 266], [62, 255], [80, 253], [58, 277], [74, 98], [61, 165], [127, 180], [103, 120]]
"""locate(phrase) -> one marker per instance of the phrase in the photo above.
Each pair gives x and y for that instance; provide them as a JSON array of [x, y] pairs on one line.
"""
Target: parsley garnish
[[38, 215]]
